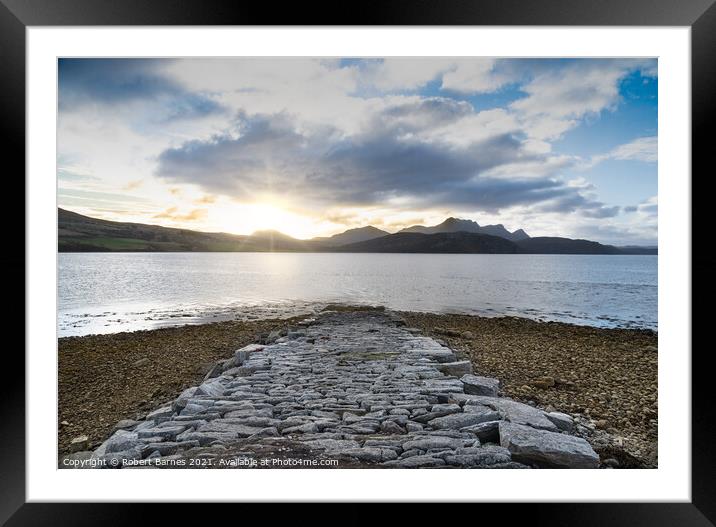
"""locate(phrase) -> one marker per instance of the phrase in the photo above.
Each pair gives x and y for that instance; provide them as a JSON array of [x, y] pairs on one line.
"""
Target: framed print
[[421, 253]]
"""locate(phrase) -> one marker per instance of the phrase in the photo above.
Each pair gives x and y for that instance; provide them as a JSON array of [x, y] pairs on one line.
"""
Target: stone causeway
[[349, 390]]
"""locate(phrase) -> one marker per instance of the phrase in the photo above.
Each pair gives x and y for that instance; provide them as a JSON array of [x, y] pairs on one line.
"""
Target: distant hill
[[638, 249], [78, 233], [359, 234], [458, 225], [443, 242], [552, 245]]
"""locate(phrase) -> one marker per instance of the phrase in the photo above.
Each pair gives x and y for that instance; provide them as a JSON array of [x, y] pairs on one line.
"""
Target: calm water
[[110, 292]]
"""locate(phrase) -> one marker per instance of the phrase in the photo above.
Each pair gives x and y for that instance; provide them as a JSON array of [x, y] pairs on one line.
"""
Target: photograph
[[357, 262]]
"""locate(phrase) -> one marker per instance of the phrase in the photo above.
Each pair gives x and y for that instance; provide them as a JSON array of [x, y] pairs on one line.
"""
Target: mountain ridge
[[459, 225], [78, 233]]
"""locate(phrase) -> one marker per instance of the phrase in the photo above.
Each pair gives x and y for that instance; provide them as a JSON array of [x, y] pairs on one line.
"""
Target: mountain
[[449, 225], [458, 225], [553, 245], [442, 242], [359, 234], [78, 233], [638, 249]]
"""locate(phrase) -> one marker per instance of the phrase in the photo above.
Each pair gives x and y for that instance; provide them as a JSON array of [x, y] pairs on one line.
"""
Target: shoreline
[[252, 313], [607, 377]]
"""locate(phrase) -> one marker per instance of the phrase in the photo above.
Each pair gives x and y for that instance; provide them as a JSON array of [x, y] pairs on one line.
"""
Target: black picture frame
[[17, 15]]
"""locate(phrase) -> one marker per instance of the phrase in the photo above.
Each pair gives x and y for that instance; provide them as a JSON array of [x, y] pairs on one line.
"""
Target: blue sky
[[311, 147]]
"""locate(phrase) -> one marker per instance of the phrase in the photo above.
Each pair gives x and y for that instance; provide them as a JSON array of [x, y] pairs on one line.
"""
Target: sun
[[251, 217]]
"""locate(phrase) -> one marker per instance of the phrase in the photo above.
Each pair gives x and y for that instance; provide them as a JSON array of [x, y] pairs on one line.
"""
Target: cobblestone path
[[358, 389]]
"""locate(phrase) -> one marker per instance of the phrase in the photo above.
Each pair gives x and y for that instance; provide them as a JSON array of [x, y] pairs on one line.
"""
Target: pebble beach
[[603, 379]]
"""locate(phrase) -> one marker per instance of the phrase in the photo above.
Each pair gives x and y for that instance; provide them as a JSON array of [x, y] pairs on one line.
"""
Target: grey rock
[[121, 440], [79, 443], [243, 354], [270, 431], [487, 432], [515, 412], [432, 442], [424, 461], [308, 428], [413, 427], [166, 448], [456, 369], [331, 445], [164, 411], [212, 388], [216, 370], [438, 410], [125, 424], [350, 384], [477, 385], [411, 453], [119, 459], [208, 437], [562, 421], [370, 454], [479, 457], [166, 432], [235, 429], [391, 427], [458, 421], [547, 449]]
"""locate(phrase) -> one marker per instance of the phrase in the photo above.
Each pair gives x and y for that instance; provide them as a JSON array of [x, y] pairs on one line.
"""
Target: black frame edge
[[703, 428], [12, 130], [386, 12], [699, 14]]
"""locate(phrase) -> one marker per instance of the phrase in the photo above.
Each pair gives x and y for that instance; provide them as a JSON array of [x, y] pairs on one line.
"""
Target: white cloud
[[559, 98], [641, 149], [333, 122]]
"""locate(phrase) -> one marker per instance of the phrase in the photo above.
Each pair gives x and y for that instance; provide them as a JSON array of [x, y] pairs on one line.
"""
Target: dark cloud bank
[[392, 158]]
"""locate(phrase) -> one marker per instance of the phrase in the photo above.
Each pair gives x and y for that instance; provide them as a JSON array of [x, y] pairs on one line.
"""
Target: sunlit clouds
[[312, 147]]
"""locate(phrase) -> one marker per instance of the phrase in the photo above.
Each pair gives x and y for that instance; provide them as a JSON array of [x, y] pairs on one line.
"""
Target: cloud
[[124, 81], [133, 185], [396, 137], [558, 98], [69, 174], [476, 75], [649, 207], [172, 214], [467, 75], [642, 149], [205, 200], [395, 160]]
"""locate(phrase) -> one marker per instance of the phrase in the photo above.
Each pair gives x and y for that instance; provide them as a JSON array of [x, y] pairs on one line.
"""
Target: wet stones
[[476, 385], [456, 369], [79, 443], [515, 412], [433, 442], [355, 386], [562, 421], [546, 449], [457, 421], [417, 461]]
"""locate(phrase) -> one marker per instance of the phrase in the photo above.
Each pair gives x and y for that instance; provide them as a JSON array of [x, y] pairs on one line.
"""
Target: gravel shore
[[605, 377], [106, 378]]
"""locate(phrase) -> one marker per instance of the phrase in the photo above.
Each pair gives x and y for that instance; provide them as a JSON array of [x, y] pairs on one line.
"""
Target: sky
[[314, 146]]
